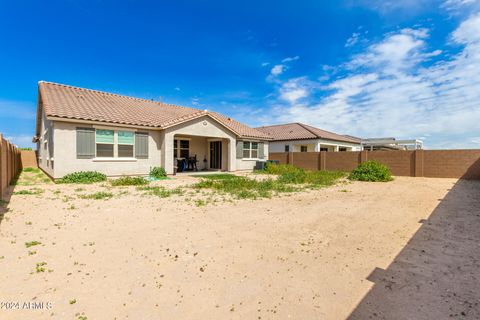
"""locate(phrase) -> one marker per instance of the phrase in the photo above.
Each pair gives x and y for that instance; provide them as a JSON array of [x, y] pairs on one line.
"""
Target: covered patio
[[201, 144], [194, 153]]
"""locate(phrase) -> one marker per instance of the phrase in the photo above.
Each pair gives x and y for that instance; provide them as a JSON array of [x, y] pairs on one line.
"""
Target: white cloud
[[277, 70], [394, 6], [264, 64], [454, 5], [294, 90], [396, 51], [469, 31], [352, 40], [391, 90], [289, 59], [476, 140]]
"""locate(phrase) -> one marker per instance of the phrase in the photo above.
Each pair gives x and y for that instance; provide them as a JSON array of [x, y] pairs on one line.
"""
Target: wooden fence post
[[363, 156], [419, 164], [8, 149]]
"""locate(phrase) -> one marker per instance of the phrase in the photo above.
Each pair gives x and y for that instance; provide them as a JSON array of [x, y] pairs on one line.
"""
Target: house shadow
[[437, 274], [4, 202]]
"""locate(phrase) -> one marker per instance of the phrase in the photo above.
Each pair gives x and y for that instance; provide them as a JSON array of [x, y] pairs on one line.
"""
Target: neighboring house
[[299, 137], [379, 144], [88, 130]]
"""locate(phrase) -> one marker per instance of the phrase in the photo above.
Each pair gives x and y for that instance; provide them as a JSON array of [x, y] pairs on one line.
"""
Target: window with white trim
[[181, 148], [250, 149], [104, 142], [303, 148], [126, 143]]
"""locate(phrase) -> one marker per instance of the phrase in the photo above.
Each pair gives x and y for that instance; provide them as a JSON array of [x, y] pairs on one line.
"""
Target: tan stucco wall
[[199, 131], [202, 127], [247, 164], [66, 155]]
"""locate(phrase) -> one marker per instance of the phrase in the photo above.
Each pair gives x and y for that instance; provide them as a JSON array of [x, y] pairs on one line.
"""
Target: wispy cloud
[[277, 70], [394, 6], [294, 89], [22, 141], [455, 5], [393, 89], [289, 59], [353, 40]]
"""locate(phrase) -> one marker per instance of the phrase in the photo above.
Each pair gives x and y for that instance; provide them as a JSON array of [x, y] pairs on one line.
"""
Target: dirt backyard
[[406, 249]]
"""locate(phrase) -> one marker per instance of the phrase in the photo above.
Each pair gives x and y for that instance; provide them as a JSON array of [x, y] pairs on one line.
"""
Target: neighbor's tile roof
[[300, 131], [70, 102]]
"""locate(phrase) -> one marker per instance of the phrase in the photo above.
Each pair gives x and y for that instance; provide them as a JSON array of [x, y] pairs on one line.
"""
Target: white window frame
[[250, 149], [115, 145], [123, 144], [178, 144]]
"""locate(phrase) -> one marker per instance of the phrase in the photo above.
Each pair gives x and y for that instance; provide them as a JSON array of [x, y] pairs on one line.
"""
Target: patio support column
[[232, 154], [167, 152]]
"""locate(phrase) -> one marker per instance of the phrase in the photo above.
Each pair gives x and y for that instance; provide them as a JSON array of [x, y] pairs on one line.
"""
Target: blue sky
[[404, 68]]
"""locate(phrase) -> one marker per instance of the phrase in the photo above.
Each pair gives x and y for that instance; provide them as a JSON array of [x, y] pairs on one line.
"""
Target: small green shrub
[[371, 171], [32, 243], [158, 172], [160, 191], [31, 169], [216, 176], [243, 187], [294, 175], [84, 177], [97, 195], [323, 178], [129, 181], [40, 267], [32, 191], [278, 169]]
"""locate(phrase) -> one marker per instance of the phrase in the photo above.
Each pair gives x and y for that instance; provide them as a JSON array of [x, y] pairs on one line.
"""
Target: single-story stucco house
[[88, 130], [299, 137]]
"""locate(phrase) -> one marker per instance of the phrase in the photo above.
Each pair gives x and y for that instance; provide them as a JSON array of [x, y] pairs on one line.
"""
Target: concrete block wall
[[463, 164]]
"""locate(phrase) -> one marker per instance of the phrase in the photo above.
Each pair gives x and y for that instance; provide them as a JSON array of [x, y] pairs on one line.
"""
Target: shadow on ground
[[437, 274], [4, 203]]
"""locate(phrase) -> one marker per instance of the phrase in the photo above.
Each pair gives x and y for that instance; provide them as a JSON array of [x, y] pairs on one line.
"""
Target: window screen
[[246, 149], [125, 151], [126, 140], [254, 153], [104, 150]]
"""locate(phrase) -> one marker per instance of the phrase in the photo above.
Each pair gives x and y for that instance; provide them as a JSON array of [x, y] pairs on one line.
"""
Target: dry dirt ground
[[407, 249]]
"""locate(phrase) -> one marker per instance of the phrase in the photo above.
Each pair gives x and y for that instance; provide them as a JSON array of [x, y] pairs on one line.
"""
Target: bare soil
[[407, 249]]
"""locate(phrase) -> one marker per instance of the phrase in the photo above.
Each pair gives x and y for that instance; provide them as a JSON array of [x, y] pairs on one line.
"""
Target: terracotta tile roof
[[63, 101], [300, 131]]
